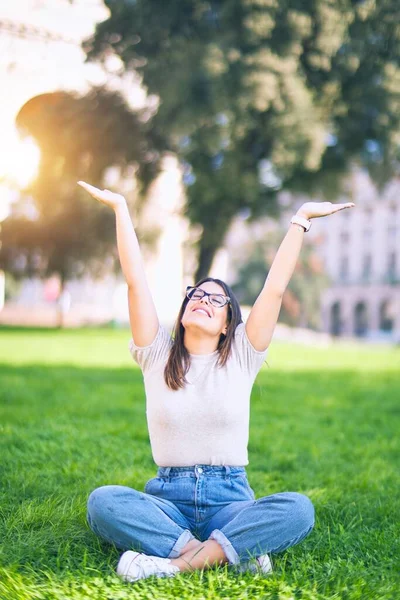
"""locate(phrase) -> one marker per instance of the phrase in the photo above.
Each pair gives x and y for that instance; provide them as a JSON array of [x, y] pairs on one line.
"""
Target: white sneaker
[[134, 565], [261, 564]]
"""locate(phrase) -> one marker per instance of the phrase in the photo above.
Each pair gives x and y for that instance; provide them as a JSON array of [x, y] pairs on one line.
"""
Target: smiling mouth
[[202, 310]]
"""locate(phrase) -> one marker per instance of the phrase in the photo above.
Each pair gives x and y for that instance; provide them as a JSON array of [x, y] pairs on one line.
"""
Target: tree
[[56, 227], [261, 95], [301, 300]]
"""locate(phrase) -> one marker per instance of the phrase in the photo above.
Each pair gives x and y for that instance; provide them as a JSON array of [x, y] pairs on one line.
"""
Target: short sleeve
[[149, 357], [249, 358]]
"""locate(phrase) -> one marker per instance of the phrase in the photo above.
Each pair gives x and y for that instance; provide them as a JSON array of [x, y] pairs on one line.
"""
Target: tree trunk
[[62, 303], [208, 247], [206, 257]]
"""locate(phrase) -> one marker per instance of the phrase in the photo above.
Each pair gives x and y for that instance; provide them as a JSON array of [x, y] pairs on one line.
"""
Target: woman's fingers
[[105, 196], [102, 195], [343, 206], [330, 208], [89, 188], [312, 210]]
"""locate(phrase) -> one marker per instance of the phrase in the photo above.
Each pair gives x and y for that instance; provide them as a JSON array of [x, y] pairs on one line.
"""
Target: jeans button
[[199, 470]]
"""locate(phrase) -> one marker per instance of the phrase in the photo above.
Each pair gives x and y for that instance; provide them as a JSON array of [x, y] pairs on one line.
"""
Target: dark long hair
[[178, 363]]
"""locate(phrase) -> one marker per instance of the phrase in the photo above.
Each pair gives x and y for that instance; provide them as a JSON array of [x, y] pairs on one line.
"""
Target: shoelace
[[146, 561]]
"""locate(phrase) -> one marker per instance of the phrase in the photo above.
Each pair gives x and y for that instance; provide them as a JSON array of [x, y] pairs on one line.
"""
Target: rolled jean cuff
[[185, 537], [226, 546]]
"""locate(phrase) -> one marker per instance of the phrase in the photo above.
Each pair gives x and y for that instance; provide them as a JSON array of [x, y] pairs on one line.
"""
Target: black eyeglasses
[[218, 300]]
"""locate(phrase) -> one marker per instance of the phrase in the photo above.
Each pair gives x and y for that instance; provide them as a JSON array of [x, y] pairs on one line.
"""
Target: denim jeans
[[202, 502]]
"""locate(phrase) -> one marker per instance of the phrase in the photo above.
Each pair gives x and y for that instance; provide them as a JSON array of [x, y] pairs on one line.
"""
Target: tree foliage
[[301, 300], [56, 227], [261, 95]]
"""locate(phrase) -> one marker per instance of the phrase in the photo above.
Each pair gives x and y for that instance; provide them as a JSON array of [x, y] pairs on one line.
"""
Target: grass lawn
[[324, 421]]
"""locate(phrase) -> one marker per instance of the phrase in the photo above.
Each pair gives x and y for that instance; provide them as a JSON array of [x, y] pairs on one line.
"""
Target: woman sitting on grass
[[200, 509]]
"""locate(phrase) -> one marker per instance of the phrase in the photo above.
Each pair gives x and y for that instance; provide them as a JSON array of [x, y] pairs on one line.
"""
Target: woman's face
[[201, 315]]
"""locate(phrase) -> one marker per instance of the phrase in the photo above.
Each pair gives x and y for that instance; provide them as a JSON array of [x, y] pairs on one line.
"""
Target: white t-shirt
[[206, 422]]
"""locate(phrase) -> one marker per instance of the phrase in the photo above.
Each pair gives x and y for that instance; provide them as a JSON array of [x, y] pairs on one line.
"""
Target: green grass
[[325, 422]]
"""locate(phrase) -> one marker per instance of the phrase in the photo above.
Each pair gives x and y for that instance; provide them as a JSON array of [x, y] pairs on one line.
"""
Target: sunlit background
[[344, 258], [216, 120], [39, 52]]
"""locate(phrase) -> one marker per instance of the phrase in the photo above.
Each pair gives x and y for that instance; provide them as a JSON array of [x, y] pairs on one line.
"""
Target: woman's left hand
[[311, 210]]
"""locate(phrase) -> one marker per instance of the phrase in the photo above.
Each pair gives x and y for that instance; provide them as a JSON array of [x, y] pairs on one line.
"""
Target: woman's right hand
[[105, 196]]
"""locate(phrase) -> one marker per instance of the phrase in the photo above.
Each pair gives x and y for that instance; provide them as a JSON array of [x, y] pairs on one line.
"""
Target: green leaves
[[80, 137], [305, 87]]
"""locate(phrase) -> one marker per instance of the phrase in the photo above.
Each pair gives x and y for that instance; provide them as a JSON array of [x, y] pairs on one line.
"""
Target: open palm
[[312, 210], [105, 196]]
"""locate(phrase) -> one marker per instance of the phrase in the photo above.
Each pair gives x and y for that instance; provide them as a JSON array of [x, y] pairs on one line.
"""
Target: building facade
[[361, 251]]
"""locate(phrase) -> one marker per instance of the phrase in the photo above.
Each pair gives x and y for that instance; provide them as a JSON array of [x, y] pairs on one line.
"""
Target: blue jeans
[[203, 502]]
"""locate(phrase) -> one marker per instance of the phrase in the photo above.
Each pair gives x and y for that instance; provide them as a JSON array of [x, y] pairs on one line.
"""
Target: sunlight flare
[[19, 165]]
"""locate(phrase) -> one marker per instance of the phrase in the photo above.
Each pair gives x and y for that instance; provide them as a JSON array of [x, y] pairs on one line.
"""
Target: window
[[392, 267], [392, 232], [336, 323], [386, 316], [344, 268], [360, 319], [344, 237], [367, 267], [367, 235]]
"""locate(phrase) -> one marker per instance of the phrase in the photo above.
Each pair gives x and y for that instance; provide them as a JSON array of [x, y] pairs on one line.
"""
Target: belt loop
[[227, 471], [166, 473]]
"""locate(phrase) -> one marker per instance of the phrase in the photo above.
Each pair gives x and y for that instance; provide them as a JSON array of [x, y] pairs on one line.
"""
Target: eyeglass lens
[[215, 299]]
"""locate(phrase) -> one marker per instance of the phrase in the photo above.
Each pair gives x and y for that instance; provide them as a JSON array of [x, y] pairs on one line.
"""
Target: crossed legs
[[129, 518], [200, 555]]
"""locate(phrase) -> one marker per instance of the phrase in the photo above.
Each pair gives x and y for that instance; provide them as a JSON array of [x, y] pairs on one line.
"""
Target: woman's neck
[[199, 344]]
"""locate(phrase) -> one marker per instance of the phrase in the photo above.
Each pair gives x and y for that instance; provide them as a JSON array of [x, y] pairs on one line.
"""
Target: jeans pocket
[[151, 485], [245, 481]]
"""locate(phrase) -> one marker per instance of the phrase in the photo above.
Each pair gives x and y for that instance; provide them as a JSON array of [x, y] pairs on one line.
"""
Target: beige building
[[360, 252], [362, 257]]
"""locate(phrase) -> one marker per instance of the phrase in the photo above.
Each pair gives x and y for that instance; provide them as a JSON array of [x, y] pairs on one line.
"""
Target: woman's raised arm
[[264, 315], [142, 311]]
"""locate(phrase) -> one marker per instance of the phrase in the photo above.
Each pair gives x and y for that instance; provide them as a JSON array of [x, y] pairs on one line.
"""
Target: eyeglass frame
[[191, 287]]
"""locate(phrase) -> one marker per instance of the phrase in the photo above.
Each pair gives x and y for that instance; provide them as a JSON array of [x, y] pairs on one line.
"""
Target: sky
[[30, 66]]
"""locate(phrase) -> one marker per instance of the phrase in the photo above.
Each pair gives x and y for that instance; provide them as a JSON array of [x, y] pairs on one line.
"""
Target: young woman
[[200, 509]]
